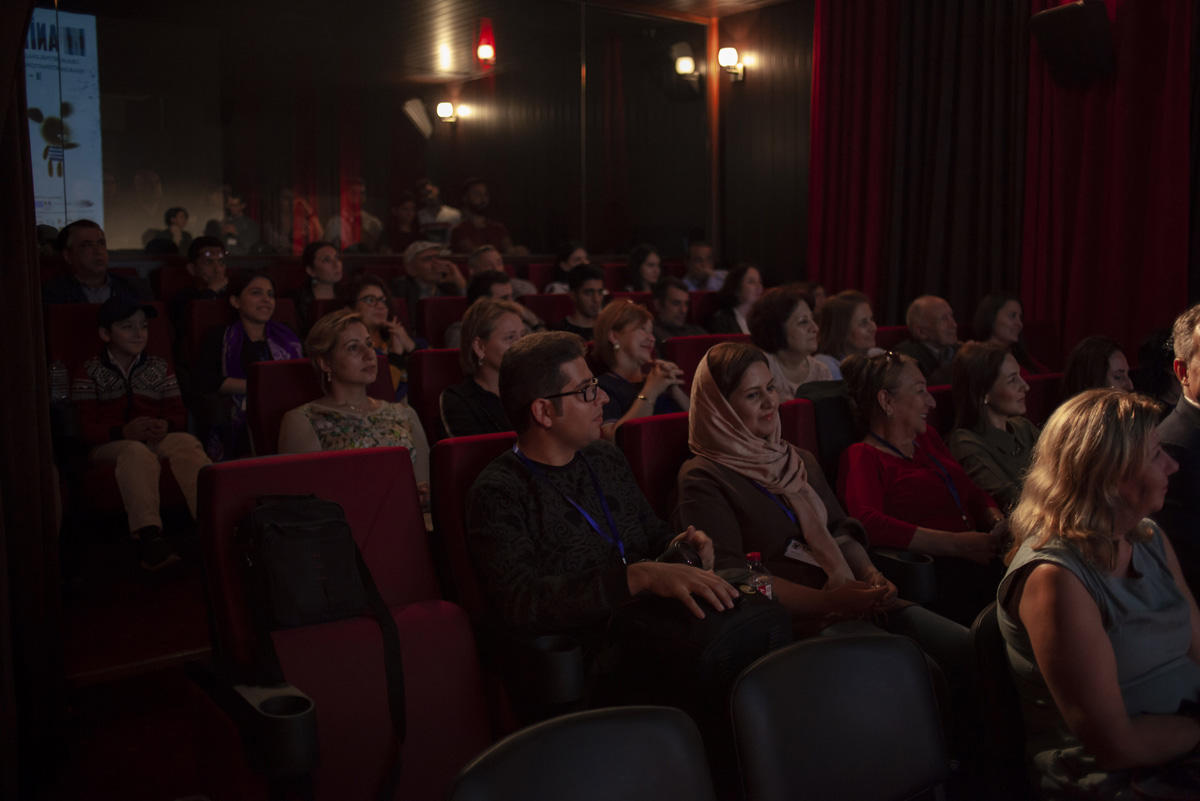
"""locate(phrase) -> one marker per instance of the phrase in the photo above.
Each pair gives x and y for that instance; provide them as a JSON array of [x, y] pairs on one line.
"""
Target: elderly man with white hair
[[934, 341]]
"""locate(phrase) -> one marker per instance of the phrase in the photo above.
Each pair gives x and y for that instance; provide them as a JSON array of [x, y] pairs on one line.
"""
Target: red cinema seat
[[701, 306], [72, 335], [553, 309], [288, 276], [431, 370], [942, 416], [674, 267], [1044, 343], [340, 664], [656, 448], [798, 422], [1044, 396], [539, 274], [641, 298], [273, 388], [169, 279], [614, 276], [688, 351], [889, 336], [455, 463], [434, 316]]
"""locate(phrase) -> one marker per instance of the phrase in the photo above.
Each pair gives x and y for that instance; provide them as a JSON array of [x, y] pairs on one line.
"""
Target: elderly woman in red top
[[906, 488]]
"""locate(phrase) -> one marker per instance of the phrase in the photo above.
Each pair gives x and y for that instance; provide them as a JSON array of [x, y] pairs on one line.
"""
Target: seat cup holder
[[283, 729]]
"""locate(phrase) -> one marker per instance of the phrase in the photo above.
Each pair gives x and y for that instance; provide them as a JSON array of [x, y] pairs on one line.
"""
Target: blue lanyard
[[614, 537], [941, 469], [775, 500]]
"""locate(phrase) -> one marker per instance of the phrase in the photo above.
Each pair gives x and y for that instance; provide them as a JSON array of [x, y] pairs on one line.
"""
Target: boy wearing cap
[[131, 413]]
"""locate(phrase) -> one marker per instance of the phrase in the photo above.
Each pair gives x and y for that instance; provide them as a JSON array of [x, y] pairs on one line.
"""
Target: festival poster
[[62, 84]]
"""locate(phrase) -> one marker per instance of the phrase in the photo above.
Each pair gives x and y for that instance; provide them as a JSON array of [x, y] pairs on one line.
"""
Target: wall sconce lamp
[[445, 111], [685, 62], [485, 47], [727, 58]]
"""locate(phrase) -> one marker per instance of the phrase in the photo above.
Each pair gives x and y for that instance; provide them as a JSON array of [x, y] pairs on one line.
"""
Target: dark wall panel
[[765, 139]]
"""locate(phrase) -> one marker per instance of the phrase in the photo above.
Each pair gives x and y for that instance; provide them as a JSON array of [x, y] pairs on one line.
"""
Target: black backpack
[[302, 568]]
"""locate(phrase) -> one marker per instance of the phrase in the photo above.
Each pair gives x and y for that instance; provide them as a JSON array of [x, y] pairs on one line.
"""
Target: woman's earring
[[986, 400], [616, 346]]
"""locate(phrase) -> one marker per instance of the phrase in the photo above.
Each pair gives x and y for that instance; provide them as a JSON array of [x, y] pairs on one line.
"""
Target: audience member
[[370, 299], [814, 291], [998, 319], [991, 439], [1180, 434], [587, 295], [1102, 631], [933, 338], [560, 532], [47, 240], [847, 327], [908, 491], [490, 328], [476, 229], [434, 219], [1155, 374], [671, 301], [493, 284], [238, 232], [345, 417], [636, 384], [175, 219], [402, 228], [645, 269], [570, 256], [85, 250], [131, 414], [295, 224], [701, 273], [354, 228], [1094, 363], [740, 291], [426, 276], [486, 258], [782, 325], [227, 353], [210, 280], [815, 553], [324, 267]]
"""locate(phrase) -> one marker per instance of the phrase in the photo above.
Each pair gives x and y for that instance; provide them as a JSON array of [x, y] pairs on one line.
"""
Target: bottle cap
[[754, 556]]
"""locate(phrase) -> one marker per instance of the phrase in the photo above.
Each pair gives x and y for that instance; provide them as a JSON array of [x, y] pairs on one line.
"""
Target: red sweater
[[107, 399], [893, 496]]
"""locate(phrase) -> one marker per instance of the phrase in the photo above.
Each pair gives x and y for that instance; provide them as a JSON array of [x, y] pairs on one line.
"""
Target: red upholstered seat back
[[434, 316], [455, 463], [656, 448], [798, 424], [688, 351], [429, 372], [701, 306], [553, 309], [171, 279], [540, 274], [375, 487], [273, 388], [614, 275], [889, 336], [1044, 396], [73, 337]]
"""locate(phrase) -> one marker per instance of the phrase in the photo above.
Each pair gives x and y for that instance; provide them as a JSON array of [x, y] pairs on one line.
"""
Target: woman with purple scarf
[[227, 353]]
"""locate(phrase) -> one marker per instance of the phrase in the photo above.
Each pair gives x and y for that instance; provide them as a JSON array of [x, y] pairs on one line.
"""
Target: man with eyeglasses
[[560, 533], [206, 265]]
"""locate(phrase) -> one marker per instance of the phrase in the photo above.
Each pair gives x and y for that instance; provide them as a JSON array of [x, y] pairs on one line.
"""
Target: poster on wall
[[62, 86]]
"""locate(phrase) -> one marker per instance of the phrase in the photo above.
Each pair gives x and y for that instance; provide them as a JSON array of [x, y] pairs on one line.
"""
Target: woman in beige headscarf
[[755, 492]]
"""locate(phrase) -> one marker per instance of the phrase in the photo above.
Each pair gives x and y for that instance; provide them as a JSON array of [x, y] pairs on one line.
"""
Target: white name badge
[[797, 550]]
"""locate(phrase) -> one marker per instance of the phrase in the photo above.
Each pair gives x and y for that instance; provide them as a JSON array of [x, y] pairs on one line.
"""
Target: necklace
[[358, 408]]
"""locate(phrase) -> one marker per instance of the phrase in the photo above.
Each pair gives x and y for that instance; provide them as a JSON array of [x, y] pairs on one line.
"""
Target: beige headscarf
[[716, 432]]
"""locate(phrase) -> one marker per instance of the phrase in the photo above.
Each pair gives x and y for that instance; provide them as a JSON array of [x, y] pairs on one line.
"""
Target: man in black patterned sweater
[[560, 533]]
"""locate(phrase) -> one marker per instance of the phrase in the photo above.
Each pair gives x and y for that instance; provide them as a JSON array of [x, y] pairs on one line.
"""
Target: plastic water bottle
[[760, 579]]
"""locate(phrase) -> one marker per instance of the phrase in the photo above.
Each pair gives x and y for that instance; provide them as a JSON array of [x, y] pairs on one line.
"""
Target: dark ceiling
[[688, 8]]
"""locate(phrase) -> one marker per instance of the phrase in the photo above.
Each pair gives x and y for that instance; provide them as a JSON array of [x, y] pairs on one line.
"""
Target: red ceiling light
[[485, 47]]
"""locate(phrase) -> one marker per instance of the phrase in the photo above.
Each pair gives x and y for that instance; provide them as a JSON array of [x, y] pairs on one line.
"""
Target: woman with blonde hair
[[489, 328], [1102, 631], [847, 327], [345, 417], [637, 384]]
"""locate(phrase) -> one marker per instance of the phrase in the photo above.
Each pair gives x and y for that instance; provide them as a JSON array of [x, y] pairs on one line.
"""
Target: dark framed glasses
[[588, 392]]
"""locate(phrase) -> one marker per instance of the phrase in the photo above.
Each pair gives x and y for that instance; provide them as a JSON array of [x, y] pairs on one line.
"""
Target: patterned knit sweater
[[107, 399]]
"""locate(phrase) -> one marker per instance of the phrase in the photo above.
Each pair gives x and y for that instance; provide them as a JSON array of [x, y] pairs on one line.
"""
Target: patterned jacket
[[107, 399]]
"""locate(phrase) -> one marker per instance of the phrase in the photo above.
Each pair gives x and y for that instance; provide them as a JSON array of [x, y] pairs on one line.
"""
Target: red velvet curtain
[[1105, 241], [850, 162]]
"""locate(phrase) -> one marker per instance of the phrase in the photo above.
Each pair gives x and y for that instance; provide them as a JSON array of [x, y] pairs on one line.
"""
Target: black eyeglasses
[[588, 392]]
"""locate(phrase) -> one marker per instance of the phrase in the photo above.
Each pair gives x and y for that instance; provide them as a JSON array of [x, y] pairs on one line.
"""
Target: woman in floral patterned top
[[345, 417]]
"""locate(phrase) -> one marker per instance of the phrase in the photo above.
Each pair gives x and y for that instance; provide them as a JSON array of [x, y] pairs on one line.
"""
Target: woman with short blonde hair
[[489, 328]]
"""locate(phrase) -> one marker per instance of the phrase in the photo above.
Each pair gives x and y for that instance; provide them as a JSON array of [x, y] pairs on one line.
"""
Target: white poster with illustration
[[62, 85]]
